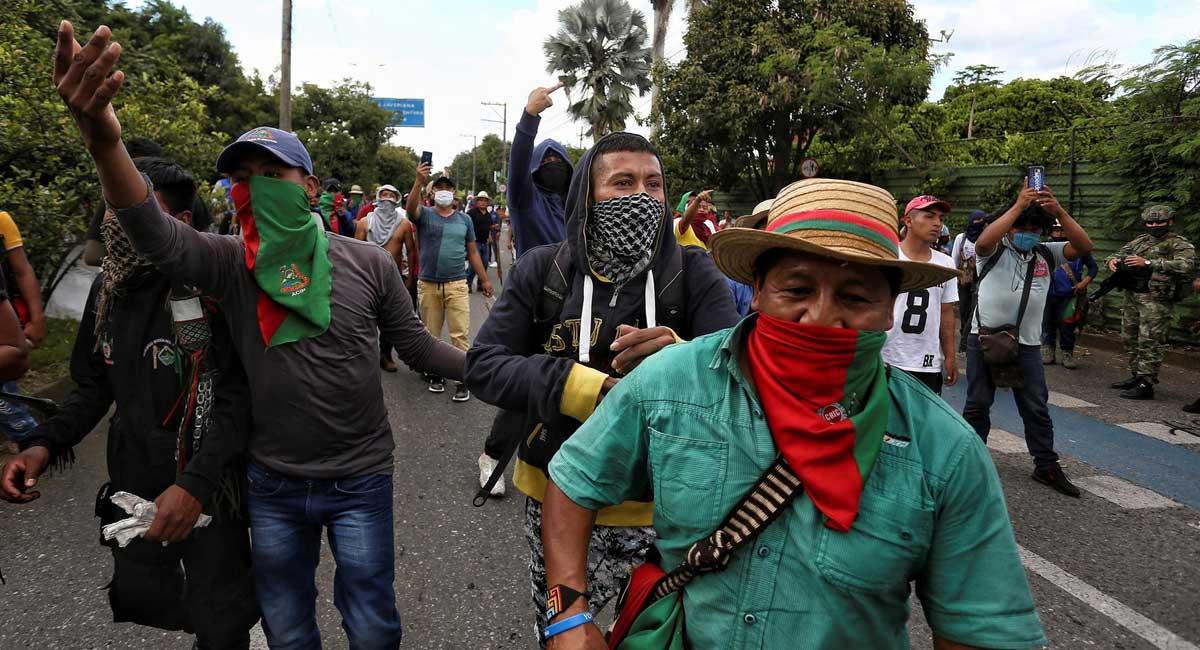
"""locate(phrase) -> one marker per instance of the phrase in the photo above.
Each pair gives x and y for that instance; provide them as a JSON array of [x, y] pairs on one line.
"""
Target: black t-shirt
[[483, 224]]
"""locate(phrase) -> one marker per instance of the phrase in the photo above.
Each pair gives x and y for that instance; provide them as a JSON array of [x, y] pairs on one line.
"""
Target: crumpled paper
[[142, 512]]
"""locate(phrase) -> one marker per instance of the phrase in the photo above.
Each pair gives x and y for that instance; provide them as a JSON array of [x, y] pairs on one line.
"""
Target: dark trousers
[[966, 311], [485, 256], [202, 585], [287, 516], [1054, 330], [931, 379], [1030, 398]]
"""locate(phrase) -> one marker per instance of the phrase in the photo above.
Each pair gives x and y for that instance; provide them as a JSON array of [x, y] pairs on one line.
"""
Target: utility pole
[[474, 148], [285, 70], [503, 136]]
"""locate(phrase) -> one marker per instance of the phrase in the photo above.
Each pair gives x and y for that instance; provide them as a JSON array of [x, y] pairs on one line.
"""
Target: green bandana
[[288, 252]]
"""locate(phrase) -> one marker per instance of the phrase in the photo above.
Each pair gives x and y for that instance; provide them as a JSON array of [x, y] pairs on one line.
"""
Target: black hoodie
[[532, 371]]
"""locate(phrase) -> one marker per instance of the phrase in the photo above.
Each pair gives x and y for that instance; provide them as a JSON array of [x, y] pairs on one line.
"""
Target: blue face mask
[[1025, 241]]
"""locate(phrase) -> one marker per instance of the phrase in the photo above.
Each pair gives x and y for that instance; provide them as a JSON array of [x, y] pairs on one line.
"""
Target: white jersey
[[914, 342]]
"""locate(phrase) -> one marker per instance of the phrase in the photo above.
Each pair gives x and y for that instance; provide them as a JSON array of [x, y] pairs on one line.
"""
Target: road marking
[[1123, 493], [258, 640], [1155, 634], [1067, 402], [1006, 443], [1160, 431]]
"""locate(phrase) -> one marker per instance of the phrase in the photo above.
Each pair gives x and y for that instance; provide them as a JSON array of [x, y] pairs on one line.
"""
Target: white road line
[[258, 640], [1006, 443], [1160, 431], [1123, 493], [1155, 634], [1066, 401]]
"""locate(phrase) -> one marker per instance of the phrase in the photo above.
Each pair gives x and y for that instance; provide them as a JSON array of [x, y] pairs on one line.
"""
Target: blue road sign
[[405, 112]]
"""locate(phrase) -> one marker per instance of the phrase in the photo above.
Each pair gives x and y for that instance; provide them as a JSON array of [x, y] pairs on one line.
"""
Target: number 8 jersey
[[913, 343]]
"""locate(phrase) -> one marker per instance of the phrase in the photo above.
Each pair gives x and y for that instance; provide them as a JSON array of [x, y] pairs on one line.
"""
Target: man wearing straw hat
[[894, 486]]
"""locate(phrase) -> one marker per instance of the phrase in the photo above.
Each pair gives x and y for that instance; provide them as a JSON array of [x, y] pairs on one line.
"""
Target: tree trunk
[[662, 18], [971, 117]]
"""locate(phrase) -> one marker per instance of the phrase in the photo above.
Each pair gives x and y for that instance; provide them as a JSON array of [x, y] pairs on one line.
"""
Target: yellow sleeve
[[581, 392], [9, 231], [687, 238]]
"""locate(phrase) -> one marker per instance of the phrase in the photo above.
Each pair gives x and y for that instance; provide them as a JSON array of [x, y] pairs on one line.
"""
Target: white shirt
[[964, 249], [914, 342], [999, 294]]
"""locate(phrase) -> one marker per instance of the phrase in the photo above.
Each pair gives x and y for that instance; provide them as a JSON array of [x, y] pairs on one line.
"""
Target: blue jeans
[[16, 420], [485, 256], [1054, 330], [1030, 399], [286, 518]]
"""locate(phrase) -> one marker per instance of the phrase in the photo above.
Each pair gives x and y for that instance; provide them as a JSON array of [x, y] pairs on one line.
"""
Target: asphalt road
[[1119, 568]]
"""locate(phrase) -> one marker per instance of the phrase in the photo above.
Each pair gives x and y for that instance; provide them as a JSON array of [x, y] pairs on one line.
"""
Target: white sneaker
[[487, 465]]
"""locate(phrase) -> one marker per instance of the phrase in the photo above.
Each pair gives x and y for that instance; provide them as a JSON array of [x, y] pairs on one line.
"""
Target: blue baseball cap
[[280, 144]]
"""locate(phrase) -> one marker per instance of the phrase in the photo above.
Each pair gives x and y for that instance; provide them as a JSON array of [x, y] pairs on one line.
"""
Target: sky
[[457, 54]]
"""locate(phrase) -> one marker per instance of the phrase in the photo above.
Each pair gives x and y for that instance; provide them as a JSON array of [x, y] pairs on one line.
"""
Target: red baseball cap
[[926, 201]]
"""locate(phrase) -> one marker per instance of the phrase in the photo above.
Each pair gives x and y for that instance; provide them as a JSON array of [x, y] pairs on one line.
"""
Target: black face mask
[[554, 176], [1159, 231]]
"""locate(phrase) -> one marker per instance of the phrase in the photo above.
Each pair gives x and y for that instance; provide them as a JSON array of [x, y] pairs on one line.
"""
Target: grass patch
[[51, 361]]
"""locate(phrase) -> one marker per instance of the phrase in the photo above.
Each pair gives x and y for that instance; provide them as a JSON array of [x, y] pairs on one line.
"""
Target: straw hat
[[756, 219], [835, 219]]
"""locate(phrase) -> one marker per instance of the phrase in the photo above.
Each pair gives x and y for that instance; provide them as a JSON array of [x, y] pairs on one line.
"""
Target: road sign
[[809, 168], [503, 188], [405, 112]]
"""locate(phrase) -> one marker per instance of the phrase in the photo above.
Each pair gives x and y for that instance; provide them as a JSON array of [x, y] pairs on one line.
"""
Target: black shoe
[[1143, 389], [1055, 478], [461, 394], [1194, 407], [1127, 383], [437, 384]]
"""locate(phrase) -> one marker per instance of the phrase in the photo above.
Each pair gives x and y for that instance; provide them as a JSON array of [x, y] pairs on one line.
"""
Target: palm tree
[[662, 18], [600, 50]]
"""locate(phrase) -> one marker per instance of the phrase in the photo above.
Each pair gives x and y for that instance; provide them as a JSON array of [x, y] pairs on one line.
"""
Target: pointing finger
[[554, 87], [65, 50]]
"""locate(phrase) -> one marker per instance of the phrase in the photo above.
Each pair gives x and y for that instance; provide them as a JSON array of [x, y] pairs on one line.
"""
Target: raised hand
[[86, 82], [539, 99]]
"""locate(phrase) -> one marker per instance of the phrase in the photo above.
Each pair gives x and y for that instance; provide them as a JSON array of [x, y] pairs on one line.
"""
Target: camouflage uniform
[[1146, 318]]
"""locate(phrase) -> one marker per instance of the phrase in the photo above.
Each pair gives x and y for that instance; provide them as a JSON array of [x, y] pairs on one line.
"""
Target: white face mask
[[443, 197]]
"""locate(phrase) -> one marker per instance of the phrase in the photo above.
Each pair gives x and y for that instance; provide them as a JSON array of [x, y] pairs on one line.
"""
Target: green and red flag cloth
[[288, 253], [825, 395]]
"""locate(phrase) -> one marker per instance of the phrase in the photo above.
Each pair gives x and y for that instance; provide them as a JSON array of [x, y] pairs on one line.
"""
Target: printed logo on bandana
[[106, 350], [292, 281], [259, 135], [1041, 270], [833, 413]]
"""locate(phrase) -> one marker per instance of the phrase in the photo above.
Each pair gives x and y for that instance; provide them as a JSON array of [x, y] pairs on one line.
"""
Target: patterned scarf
[[121, 263], [383, 221], [621, 234], [824, 391]]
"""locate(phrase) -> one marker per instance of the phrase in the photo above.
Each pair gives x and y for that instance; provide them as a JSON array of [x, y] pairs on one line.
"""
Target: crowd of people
[[714, 415]]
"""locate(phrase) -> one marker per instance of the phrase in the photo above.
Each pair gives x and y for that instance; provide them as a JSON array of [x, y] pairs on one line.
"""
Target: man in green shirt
[[896, 486]]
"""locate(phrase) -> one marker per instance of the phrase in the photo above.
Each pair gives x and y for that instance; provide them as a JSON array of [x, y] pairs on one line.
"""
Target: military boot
[[1048, 355], [1143, 389], [1125, 383]]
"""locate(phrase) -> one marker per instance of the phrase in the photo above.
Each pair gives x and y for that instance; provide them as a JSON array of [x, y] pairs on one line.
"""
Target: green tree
[[396, 166], [973, 78], [785, 74], [342, 127], [489, 158], [600, 49]]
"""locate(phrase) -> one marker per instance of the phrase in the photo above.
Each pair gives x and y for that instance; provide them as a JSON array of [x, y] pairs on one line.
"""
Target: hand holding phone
[[427, 158], [1037, 177]]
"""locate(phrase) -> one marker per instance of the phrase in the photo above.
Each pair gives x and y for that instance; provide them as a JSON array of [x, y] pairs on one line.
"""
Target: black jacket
[[522, 367], [137, 365]]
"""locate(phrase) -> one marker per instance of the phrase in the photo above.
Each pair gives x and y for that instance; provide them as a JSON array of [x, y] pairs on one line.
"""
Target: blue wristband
[[567, 624]]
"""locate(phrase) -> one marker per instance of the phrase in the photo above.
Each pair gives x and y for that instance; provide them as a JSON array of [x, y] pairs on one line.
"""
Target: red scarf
[[824, 392]]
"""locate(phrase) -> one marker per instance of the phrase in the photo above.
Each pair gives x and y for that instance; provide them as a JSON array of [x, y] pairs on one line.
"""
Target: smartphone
[[427, 158], [1037, 177]]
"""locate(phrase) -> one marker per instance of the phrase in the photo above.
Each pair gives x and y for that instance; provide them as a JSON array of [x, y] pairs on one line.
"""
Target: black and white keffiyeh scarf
[[121, 263], [621, 233]]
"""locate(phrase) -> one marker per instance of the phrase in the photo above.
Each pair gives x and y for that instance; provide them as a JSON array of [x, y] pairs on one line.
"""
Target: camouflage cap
[[1158, 213]]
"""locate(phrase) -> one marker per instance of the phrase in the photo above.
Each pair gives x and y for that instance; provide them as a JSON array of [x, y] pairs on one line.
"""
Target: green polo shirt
[[688, 424]]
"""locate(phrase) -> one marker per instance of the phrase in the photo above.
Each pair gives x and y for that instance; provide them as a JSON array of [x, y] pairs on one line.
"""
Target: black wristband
[[560, 598]]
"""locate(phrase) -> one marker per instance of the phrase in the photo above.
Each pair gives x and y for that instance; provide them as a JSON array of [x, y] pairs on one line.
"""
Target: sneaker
[[436, 384], [461, 394], [1142, 390], [1194, 407], [1057, 479], [1127, 383], [487, 465], [1047, 355], [1069, 361]]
